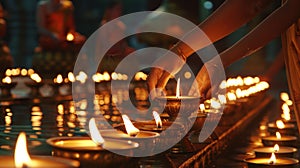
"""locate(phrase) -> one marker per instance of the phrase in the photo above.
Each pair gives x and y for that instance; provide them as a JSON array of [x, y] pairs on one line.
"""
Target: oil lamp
[[22, 159], [280, 151], [280, 140], [35, 85], [6, 85]]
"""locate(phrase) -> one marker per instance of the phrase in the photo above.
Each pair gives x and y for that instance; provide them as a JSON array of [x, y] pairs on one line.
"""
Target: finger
[[152, 78], [162, 82]]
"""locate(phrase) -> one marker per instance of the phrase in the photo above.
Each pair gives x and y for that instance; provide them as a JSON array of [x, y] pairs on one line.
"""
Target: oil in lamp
[[22, 159], [6, 85]]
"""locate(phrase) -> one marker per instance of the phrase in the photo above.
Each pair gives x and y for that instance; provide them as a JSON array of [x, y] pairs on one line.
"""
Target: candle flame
[[7, 79], [284, 96], [81, 77], [21, 156], [272, 159], [95, 134], [36, 77], [130, 128], [157, 119], [70, 37], [202, 107], [215, 104], [178, 88], [276, 148], [278, 135], [222, 99], [71, 77], [58, 79], [280, 124]]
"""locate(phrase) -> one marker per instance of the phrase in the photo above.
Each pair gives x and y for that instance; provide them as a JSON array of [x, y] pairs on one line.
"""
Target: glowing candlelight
[[276, 148], [95, 134], [36, 77], [7, 80], [106, 76], [215, 104], [284, 96], [157, 119], [24, 72], [222, 99], [70, 37], [71, 77], [58, 79], [272, 159], [178, 88], [130, 128], [202, 107], [81, 77], [278, 135], [22, 158], [280, 124]]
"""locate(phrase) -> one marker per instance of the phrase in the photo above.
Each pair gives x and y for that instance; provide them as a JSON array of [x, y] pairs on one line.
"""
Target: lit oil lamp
[[95, 150], [280, 140], [22, 159], [70, 37], [174, 104], [280, 151], [281, 127], [35, 85], [272, 162], [146, 139], [6, 85]]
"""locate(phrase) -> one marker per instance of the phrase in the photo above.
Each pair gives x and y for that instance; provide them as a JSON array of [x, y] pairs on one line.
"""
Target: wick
[[133, 134], [272, 162]]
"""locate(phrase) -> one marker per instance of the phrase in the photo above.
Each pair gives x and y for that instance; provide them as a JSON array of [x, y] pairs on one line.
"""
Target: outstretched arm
[[267, 30]]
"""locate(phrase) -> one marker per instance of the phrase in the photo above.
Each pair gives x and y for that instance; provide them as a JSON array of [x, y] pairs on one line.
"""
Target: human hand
[[161, 71], [208, 80]]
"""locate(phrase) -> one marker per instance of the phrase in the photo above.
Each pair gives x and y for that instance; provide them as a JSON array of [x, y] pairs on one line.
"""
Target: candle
[[70, 37], [174, 104], [35, 85], [272, 162], [281, 127], [280, 140], [146, 139], [278, 150], [22, 158], [94, 151]]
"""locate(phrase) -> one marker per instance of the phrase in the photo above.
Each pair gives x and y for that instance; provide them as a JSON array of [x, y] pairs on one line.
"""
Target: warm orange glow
[[278, 135], [81, 77], [106, 76], [130, 128], [71, 77], [272, 159], [8, 72], [222, 99], [6, 80], [284, 96], [95, 134], [178, 88], [36, 77], [215, 104], [276, 148], [140, 76], [231, 96], [285, 107], [58, 79], [280, 124], [202, 107], [22, 158], [70, 37], [24, 72], [157, 119]]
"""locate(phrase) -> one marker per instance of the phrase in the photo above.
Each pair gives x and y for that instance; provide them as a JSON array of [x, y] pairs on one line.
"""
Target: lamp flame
[[272, 159], [6, 80], [284, 96], [95, 134], [21, 156], [276, 148], [58, 79], [280, 124], [202, 107], [178, 88], [36, 77], [278, 135], [71, 77], [157, 119], [130, 128], [70, 37]]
